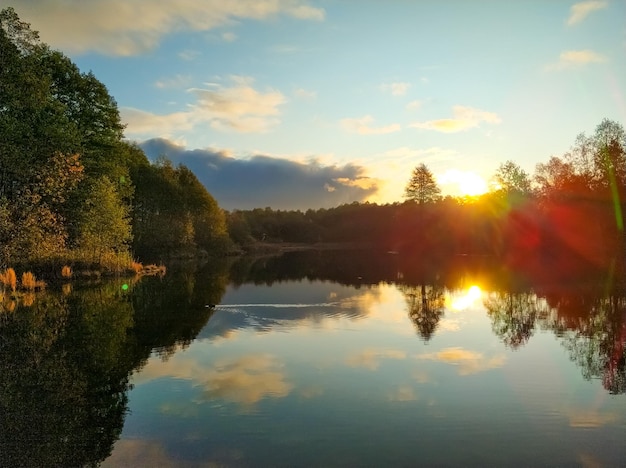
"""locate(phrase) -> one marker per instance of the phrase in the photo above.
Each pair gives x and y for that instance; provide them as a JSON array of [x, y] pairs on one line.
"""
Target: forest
[[74, 191], [569, 212]]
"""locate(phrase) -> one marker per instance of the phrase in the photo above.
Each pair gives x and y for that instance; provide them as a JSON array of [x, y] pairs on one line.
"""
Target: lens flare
[[465, 301]]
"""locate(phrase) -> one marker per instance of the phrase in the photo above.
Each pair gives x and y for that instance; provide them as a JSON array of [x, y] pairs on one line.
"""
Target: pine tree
[[422, 187]]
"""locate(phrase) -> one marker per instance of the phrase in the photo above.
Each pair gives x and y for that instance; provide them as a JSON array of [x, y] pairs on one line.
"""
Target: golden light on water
[[462, 301]]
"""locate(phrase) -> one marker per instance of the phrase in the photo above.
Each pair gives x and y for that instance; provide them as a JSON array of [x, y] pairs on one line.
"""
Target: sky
[[299, 104]]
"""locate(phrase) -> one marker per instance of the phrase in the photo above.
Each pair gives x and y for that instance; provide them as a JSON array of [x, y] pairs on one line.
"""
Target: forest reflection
[[68, 355], [583, 304]]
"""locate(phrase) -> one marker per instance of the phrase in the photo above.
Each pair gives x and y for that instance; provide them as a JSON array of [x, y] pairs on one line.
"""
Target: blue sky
[[338, 100]]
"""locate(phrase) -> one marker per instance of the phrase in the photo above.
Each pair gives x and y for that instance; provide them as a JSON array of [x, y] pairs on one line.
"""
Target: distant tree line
[[71, 188], [572, 206]]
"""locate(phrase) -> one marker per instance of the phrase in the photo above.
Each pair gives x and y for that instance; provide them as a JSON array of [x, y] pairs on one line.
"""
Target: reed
[[9, 278], [66, 289], [28, 281], [28, 299], [66, 272], [136, 267]]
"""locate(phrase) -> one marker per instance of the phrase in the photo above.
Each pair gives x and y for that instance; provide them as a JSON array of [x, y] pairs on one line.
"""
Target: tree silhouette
[[422, 187], [511, 178]]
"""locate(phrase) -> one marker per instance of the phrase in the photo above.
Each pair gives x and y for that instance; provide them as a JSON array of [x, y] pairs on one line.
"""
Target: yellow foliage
[[66, 272], [137, 267], [66, 289], [153, 269], [28, 281], [9, 278], [28, 299]]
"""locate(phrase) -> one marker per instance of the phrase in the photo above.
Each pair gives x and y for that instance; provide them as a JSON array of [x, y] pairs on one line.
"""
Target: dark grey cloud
[[262, 181]]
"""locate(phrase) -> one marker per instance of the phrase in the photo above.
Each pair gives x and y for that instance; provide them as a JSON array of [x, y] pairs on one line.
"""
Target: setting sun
[[472, 184], [464, 182]]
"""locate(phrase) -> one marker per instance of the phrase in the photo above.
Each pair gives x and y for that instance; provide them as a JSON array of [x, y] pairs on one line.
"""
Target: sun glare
[[466, 300], [467, 183], [472, 184]]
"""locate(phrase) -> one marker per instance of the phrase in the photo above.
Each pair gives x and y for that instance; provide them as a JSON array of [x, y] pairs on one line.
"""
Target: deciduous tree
[[105, 224]]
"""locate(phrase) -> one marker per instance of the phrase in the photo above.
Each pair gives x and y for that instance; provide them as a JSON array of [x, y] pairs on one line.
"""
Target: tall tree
[[422, 187], [609, 143], [511, 178], [556, 178]]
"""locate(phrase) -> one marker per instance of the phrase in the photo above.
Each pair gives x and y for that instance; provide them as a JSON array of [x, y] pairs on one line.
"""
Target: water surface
[[349, 360]]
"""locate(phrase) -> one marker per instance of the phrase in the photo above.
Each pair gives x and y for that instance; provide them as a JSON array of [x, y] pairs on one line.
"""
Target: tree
[[556, 177], [510, 178], [600, 159], [609, 142], [60, 133], [422, 187], [174, 213], [105, 224]]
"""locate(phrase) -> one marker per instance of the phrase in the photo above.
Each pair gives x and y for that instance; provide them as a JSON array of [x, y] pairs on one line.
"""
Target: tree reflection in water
[[64, 379], [425, 306], [583, 305], [66, 359], [597, 345], [590, 324], [513, 316]]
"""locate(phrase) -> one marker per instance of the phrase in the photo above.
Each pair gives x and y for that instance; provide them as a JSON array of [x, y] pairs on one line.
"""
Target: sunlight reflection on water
[[321, 377]]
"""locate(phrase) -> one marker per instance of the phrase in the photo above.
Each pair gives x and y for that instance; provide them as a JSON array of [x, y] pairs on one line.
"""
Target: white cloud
[[120, 27], [579, 11], [177, 81], [229, 36], [396, 89], [365, 183], [305, 93], [188, 54], [371, 358], [138, 452], [414, 105], [463, 119], [467, 362], [362, 126], [141, 123], [244, 380], [403, 393], [239, 108], [576, 58]]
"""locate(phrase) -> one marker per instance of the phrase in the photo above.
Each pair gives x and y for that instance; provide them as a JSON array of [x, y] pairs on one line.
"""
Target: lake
[[319, 359]]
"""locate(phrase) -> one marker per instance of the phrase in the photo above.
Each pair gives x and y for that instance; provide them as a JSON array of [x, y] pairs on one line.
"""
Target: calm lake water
[[319, 359]]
